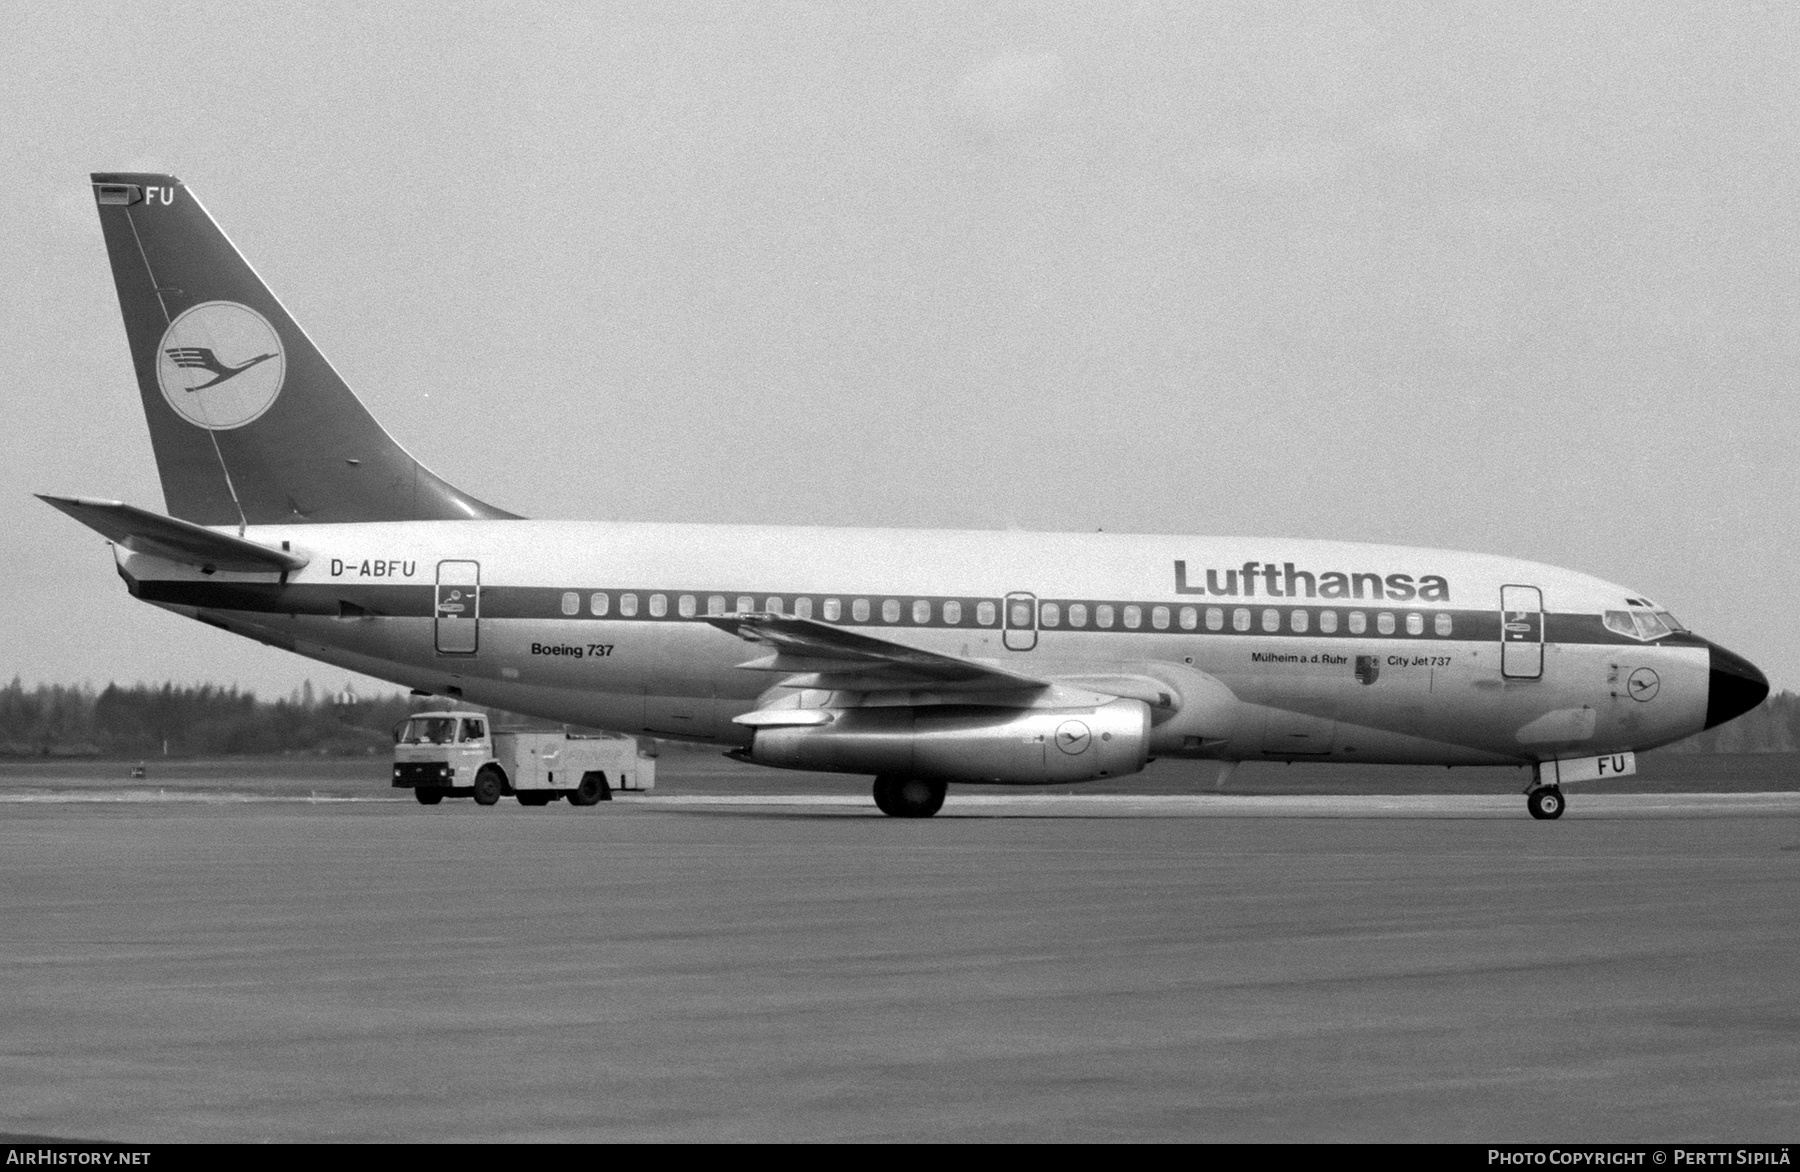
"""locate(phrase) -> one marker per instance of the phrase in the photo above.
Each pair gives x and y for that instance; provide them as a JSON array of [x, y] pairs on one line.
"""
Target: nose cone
[[1735, 687]]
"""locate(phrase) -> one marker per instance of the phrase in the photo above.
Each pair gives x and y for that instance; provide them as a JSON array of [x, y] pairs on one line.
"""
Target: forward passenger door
[[1521, 632]]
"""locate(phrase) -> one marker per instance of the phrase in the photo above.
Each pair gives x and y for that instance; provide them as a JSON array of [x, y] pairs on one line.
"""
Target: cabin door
[[458, 608], [1521, 632], [1020, 622]]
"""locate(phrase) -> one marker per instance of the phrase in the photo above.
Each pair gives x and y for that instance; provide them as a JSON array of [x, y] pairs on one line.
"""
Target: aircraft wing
[[819, 655], [142, 531]]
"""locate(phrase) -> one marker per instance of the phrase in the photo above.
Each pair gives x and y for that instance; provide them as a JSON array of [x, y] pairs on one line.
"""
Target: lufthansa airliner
[[920, 658]]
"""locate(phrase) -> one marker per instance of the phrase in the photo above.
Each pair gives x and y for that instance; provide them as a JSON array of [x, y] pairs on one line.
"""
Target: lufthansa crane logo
[[1072, 737], [1643, 684], [220, 365]]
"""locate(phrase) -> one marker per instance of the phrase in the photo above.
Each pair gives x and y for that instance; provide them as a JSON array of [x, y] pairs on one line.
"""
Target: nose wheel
[[1545, 802]]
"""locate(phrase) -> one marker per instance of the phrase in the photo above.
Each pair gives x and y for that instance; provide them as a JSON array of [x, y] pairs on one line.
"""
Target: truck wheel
[[593, 788], [488, 784], [428, 796]]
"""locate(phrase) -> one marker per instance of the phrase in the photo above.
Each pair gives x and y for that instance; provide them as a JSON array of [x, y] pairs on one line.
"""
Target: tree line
[[205, 720], [200, 720]]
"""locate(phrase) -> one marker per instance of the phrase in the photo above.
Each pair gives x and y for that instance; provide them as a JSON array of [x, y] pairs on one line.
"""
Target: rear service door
[[458, 608], [1521, 632], [1020, 622]]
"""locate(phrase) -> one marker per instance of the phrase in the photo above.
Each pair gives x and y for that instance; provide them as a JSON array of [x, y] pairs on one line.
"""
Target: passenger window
[[772, 605], [1415, 623], [803, 608], [1159, 617], [1441, 624], [1190, 618], [745, 604], [953, 612], [1134, 617], [859, 610], [1271, 620], [628, 605], [571, 602], [659, 605], [984, 613], [1050, 615], [1358, 622], [686, 605], [1019, 615], [834, 610], [1297, 622], [1215, 619], [597, 604], [1384, 622], [1240, 619], [1078, 614], [890, 610], [715, 604], [1103, 616], [921, 612], [471, 730], [1328, 621]]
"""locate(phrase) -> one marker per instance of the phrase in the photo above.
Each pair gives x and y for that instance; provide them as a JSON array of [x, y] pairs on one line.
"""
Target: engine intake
[[1013, 746]]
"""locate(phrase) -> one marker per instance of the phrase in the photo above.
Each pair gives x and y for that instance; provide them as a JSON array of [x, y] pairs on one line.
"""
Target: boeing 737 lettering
[[921, 658]]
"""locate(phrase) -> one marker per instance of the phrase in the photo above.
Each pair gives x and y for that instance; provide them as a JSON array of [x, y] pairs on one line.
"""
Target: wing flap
[[142, 531]]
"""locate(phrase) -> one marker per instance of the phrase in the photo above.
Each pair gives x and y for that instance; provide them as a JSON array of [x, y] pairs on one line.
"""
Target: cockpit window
[[1640, 624]]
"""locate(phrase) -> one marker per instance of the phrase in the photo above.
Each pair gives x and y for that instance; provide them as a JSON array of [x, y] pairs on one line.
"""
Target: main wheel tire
[[428, 796], [909, 797], [1545, 802], [593, 789], [488, 784], [538, 798], [884, 801]]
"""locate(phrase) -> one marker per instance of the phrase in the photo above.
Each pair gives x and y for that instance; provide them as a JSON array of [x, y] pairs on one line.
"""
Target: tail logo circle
[[220, 365]]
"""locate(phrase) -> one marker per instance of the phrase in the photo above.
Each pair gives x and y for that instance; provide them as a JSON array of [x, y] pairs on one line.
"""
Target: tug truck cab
[[459, 753]]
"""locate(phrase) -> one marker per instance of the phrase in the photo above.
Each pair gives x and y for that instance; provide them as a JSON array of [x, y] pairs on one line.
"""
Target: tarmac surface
[[246, 964]]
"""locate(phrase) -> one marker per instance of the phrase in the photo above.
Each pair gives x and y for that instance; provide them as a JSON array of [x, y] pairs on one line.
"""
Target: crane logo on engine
[[1072, 737]]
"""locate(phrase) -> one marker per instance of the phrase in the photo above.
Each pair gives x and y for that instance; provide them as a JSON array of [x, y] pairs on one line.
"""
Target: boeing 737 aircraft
[[918, 657]]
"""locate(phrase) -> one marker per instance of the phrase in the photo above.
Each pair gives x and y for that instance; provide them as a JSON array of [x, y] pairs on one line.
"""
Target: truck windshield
[[429, 730]]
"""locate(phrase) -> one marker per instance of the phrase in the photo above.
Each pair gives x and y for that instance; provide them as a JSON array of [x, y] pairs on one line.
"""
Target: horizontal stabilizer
[[142, 531]]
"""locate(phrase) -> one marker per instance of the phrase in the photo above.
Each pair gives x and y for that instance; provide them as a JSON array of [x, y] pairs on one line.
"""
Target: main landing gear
[[1545, 801], [908, 797]]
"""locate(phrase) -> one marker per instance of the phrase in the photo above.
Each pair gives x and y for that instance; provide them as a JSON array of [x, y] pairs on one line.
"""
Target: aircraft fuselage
[[1329, 651]]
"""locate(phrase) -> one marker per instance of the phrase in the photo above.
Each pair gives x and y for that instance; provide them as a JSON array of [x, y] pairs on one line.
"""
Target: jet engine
[[968, 743]]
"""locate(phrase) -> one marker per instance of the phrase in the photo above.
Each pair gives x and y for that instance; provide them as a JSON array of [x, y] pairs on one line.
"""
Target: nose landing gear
[[1545, 801]]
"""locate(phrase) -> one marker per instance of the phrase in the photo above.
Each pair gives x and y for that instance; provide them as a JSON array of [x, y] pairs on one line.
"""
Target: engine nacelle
[[1016, 746]]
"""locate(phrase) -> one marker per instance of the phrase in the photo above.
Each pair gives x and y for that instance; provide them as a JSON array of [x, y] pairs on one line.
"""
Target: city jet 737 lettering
[[919, 657]]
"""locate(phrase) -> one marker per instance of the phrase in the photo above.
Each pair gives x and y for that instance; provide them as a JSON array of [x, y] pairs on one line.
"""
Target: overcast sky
[[1520, 278]]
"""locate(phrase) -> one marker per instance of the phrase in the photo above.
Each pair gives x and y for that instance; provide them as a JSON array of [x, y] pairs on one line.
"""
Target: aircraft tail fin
[[249, 422]]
